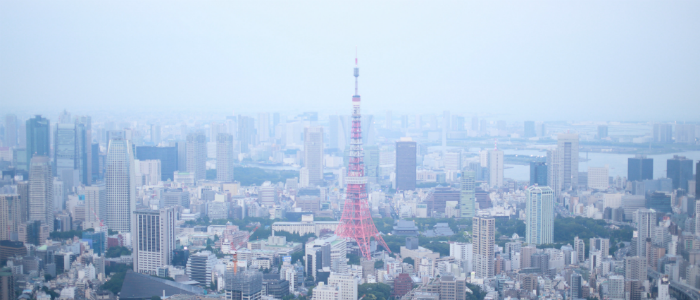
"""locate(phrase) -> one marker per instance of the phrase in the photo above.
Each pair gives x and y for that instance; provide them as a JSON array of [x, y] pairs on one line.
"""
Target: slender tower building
[[356, 222]]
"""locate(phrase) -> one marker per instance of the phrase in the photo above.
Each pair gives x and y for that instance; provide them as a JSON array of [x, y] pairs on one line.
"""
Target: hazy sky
[[537, 60]]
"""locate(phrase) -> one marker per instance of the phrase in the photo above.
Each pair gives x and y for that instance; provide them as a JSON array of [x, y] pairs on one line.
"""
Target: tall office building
[[313, 154], [10, 131], [553, 179], [495, 165], [602, 132], [483, 240], [224, 157], [576, 291], [245, 133], [197, 155], [168, 157], [580, 248], [636, 268], [120, 181], [539, 220], [685, 133], [38, 137], [153, 239], [11, 210], [263, 127], [65, 150], [680, 170], [616, 287], [7, 284], [467, 194], [95, 206], [567, 146], [640, 168], [41, 191], [155, 134], [598, 178], [663, 133], [406, 164], [646, 220], [538, 173], [530, 129], [244, 285]]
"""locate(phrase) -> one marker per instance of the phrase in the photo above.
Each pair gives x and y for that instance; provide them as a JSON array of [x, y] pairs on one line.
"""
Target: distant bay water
[[617, 163]]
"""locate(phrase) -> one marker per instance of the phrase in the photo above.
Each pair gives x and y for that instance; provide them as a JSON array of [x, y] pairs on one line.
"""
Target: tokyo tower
[[356, 222]]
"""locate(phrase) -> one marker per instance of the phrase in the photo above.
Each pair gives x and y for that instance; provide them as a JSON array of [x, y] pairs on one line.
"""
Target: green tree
[[117, 251], [353, 259], [409, 261], [379, 264], [379, 291]]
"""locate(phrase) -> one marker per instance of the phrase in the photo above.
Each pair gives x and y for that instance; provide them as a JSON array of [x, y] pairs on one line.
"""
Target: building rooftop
[[142, 286]]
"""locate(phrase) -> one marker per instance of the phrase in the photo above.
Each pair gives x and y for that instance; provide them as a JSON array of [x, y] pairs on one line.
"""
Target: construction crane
[[235, 254]]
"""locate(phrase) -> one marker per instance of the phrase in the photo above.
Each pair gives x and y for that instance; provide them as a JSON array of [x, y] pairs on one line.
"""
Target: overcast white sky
[[536, 60]]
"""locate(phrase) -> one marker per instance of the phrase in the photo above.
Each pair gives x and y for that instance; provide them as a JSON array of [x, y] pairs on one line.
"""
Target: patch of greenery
[[476, 294], [374, 291], [117, 251], [353, 259], [256, 176], [379, 264], [114, 284], [62, 235], [409, 261]]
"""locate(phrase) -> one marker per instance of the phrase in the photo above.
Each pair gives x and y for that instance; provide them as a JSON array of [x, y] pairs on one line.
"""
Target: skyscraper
[[530, 129], [640, 168], [313, 154], [602, 132], [567, 146], [120, 182], [646, 220], [153, 239], [245, 133], [168, 157], [197, 155], [66, 150], [576, 291], [224, 157], [483, 239], [539, 220], [467, 194], [636, 268], [95, 206], [495, 164], [538, 173], [553, 179], [663, 133], [263, 127], [680, 170], [41, 191], [83, 132], [405, 164], [334, 128], [10, 130], [38, 137]]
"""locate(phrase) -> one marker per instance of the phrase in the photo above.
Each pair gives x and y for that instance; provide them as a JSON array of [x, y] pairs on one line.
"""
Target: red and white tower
[[356, 222]]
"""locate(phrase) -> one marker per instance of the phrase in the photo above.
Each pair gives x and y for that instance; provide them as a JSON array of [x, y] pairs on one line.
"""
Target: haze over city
[[349, 150]]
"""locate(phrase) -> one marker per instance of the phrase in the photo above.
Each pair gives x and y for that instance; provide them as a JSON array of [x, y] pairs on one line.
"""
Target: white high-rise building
[[326, 292], [41, 191], [553, 172], [453, 161], [303, 177], [467, 194], [197, 155], [645, 220], [495, 168], [120, 181], [153, 239], [539, 221], [483, 240], [663, 286], [616, 287], [95, 206], [148, 171], [313, 154], [697, 216], [600, 244], [347, 285], [224, 157], [463, 252], [598, 178]]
